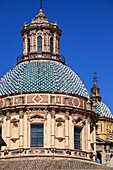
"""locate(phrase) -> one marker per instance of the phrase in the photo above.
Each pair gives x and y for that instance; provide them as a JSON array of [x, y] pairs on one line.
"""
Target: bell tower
[[95, 91]]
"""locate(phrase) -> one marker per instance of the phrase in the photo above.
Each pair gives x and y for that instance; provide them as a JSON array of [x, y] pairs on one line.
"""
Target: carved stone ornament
[[8, 116], [78, 119], [14, 120], [60, 119], [84, 122], [67, 115], [14, 139], [53, 114], [45, 117], [60, 139], [21, 114], [1, 121], [36, 116]]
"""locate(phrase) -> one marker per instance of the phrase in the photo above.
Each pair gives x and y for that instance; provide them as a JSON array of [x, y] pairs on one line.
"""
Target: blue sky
[[86, 42]]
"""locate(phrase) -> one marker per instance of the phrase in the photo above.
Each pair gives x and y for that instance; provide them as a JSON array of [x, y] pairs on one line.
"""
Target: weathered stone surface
[[36, 163]]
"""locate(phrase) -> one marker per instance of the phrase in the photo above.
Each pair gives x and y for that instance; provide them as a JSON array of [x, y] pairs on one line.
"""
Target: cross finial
[[95, 78], [40, 4]]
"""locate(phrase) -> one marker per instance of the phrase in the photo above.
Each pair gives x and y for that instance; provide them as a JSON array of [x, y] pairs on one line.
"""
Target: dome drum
[[58, 119]]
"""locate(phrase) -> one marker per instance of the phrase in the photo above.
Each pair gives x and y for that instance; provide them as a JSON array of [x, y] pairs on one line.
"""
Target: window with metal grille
[[28, 45], [51, 45], [39, 41], [37, 135], [77, 138]]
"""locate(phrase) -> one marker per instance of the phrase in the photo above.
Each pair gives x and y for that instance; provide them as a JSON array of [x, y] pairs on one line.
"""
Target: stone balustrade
[[48, 152]]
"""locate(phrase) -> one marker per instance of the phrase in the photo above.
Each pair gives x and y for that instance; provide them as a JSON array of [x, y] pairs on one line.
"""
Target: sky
[[86, 41]]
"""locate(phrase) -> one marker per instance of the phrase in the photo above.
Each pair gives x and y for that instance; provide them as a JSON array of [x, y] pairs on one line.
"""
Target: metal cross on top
[[40, 4]]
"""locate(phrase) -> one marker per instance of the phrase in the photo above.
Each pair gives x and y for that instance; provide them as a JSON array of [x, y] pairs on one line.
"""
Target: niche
[[15, 130], [60, 129]]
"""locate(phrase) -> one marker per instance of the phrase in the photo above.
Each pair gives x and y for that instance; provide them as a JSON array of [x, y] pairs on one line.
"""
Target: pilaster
[[8, 130], [53, 128], [67, 129], [21, 132]]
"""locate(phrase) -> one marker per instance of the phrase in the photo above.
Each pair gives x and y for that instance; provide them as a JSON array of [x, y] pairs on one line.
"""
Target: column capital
[[21, 115], [8, 116]]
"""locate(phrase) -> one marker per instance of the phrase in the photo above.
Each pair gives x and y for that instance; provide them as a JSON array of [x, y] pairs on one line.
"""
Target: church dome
[[103, 110], [42, 76]]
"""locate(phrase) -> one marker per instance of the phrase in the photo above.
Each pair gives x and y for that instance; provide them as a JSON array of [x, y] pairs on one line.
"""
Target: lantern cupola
[[41, 39]]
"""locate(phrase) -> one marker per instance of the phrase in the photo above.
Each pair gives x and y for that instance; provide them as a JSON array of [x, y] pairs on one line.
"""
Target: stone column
[[94, 139], [67, 129], [83, 138], [89, 136], [44, 42], [48, 43], [54, 44], [45, 129], [58, 45], [21, 132], [53, 128], [35, 42], [25, 44], [86, 135], [8, 130], [31, 43]]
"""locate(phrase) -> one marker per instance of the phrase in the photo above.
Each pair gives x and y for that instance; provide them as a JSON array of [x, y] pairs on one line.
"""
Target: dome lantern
[[41, 39]]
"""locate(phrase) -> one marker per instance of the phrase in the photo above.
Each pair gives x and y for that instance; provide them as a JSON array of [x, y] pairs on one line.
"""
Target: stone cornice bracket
[[8, 116], [21, 115], [73, 120], [67, 115], [45, 116], [2, 119], [53, 114], [79, 119], [84, 122]]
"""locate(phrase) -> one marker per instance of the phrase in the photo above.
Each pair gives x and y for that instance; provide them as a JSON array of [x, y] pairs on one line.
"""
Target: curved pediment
[[60, 119], [36, 116]]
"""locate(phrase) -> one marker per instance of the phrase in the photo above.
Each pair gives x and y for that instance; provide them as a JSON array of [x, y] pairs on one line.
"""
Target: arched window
[[39, 46], [51, 45], [28, 45]]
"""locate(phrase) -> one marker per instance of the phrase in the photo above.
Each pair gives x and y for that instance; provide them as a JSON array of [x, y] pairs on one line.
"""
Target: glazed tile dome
[[42, 76], [103, 110]]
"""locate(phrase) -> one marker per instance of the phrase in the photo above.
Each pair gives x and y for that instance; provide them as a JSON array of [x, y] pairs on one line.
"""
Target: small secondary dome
[[103, 110], [42, 76]]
